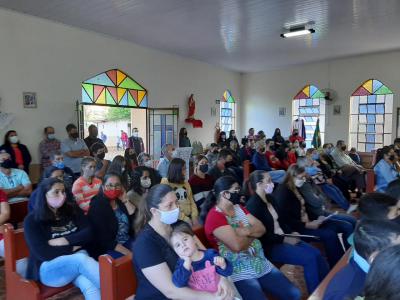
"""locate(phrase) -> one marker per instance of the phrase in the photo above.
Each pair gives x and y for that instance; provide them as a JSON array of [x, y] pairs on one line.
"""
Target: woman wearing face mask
[[232, 230], [87, 185], [184, 141], [200, 182], [385, 170], [146, 163], [222, 141], [176, 180], [122, 167], [280, 248], [155, 258], [232, 137], [277, 138], [54, 232], [111, 214], [20, 156], [292, 211]]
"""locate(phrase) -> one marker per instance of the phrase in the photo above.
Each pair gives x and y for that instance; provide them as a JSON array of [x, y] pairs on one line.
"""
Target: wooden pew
[[318, 294], [117, 277], [246, 170], [18, 212], [18, 288], [370, 181]]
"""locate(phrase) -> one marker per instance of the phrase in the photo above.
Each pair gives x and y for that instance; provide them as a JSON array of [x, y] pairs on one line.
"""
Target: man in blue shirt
[[385, 172], [167, 150], [74, 149], [14, 182], [370, 237]]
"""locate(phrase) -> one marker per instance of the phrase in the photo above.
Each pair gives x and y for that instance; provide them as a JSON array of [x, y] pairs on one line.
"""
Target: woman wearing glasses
[[111, 215]]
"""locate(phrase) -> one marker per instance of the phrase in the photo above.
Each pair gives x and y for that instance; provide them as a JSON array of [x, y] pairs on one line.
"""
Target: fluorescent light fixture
[[297, 32]]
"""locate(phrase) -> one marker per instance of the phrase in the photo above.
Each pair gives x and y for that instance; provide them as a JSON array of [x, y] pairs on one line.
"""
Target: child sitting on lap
[[198, 269]]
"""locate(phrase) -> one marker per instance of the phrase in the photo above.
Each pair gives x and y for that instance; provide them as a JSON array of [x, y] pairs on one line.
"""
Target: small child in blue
[[198, 269]]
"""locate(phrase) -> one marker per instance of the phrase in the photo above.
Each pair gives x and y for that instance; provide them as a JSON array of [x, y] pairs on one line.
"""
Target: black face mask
[[343, 147], [392, 157], [229, 164], [7, 164], [101, 156], [295, 133], [203, 168], [234, 198], [74, 135]]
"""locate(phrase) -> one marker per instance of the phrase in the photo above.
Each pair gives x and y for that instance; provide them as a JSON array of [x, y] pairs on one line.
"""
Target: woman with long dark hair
[[122, 167], [278, 247], [277, 138], [20, 156], [155, 258], [56, 232], [111, 214], [176, 180], [292, 211], [232, 230], [222, 141], [184, 141], [385, 170], [200, 182]]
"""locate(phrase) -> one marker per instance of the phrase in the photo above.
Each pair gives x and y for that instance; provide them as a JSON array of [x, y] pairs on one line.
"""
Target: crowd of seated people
[[85, 206]]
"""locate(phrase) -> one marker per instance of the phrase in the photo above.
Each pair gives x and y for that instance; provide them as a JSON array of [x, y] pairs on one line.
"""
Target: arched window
[[371, 108], [113, 88], [309, 105], [227, 112]]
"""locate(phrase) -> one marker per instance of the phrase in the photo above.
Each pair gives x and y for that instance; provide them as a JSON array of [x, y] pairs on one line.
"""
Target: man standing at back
[[136, 142], [92, 138], [48, 146], [167, 150], [74, 149]]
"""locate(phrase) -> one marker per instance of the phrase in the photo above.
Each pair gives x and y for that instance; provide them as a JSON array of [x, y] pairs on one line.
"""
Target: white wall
[[263, 93], [52, 60]]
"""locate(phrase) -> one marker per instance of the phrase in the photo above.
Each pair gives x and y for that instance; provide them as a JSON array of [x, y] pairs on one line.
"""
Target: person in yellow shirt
[[176, 180]]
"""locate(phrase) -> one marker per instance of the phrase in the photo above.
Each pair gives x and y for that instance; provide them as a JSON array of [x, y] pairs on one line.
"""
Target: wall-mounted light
[[297, 31]]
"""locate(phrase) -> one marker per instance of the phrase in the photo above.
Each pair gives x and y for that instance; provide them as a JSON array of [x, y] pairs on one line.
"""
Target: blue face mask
[[315, 156], [59, 165], [361, 262]]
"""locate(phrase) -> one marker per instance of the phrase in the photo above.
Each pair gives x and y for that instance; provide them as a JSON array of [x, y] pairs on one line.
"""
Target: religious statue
[[191, 110]]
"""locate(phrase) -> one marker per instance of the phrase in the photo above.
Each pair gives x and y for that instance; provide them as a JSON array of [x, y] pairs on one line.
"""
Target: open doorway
[[115, 126]]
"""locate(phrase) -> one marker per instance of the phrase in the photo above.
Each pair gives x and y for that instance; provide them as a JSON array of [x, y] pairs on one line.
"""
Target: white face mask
[[299, 182], [145, 182], [169, 217], [148, 163], [270, 188], [13, 139], [135, 134]]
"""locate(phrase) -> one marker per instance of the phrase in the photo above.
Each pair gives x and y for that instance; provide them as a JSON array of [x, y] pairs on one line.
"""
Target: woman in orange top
[[20, 156]]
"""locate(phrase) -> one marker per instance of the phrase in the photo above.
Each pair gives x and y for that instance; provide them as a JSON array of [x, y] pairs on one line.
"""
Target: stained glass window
[[114, 88], [309, 105], [371, 108], [227, 112]]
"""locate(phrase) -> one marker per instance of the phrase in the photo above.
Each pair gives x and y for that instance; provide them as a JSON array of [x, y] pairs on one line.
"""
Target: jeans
[[78, 268], [335, 194], [21, 264], [333, 248], [344, 224], [277, 176], [274, 283], [302, 254]]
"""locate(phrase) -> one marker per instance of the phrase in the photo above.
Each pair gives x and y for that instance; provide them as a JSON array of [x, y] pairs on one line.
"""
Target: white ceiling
[[241, 35]]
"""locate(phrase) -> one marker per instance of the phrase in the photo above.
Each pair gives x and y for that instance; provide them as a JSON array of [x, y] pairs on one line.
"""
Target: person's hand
[[242, 231], [329, 180], [225, 290], [187, 262], [321, 218], [220, 262], [58, 242], [291, 240], [314, 224]]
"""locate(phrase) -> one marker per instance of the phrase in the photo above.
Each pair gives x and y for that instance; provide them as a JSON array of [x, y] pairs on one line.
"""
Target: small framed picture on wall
[[29, 99], [337, 109], [282, 111]]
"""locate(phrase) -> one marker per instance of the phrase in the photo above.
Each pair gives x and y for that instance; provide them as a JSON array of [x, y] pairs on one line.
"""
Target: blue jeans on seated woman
[[302, 254], [329, 238], [341, 223], [274, 283], [335, 194], [78, 268]]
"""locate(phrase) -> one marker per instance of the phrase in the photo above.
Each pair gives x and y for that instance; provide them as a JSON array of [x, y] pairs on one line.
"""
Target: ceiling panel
[[241, 35]]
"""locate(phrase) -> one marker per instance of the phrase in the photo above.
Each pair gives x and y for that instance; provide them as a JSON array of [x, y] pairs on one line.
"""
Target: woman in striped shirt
[[87, 185]]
